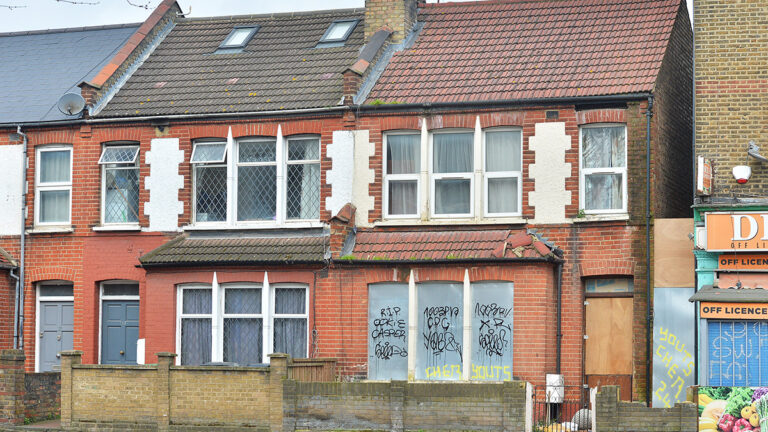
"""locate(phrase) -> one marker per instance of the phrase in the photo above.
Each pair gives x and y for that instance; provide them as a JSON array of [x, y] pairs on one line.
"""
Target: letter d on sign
[[737, 236]]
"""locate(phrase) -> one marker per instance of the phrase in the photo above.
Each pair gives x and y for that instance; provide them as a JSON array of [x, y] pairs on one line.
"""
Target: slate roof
[[39, 67], [232, 248], [442, 245], [515, 49], [279, 69]]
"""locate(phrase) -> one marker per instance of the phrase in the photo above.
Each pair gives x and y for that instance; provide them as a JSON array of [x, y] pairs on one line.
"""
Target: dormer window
[[337, 33], [238, 38]]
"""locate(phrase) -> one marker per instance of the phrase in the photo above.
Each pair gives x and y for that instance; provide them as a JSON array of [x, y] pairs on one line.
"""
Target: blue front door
[[56, 326], [119, 331]]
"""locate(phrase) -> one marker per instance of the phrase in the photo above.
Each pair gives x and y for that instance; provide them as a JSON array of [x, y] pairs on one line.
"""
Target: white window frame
[[121, 166], [52, 186], [103, 297], [207, 164], [400, 177], [583, 172], [232, 163], [217, 315], [38, 300], [283, 197], [434, 177], [502, 174]]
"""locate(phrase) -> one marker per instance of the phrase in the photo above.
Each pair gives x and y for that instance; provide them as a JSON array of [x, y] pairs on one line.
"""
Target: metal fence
[[552, 413]]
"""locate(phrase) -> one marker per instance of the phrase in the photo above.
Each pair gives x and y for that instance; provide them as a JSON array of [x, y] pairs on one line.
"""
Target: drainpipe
[[19, 322], [15, 310], [649, 323], [559, 288]]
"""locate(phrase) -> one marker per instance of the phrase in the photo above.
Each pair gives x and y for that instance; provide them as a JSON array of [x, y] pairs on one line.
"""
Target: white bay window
[[603, 185], [401, 188], [241, 323], [53, 177]]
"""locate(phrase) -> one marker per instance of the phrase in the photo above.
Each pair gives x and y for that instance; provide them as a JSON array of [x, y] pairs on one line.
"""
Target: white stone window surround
[[583, 172], [42, 186], [230, 161], [426, 178], [218, 314]]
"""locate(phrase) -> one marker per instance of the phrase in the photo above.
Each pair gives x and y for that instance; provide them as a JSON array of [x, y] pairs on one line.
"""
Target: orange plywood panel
[[608, 347]]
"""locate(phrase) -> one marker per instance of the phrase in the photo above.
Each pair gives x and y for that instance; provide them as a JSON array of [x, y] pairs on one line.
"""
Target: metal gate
[[556, 417]]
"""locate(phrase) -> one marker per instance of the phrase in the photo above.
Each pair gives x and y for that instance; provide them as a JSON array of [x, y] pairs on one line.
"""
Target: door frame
[[71, 298], [102, 297]]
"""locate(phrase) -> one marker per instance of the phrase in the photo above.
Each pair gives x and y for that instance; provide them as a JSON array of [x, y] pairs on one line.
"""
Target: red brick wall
[[7, 294]]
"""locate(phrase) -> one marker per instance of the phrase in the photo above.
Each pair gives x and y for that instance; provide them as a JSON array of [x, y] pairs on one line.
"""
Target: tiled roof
[[513, 49], [441, 245], [39, 67], [279, 69], [6, 261], [230, 249]]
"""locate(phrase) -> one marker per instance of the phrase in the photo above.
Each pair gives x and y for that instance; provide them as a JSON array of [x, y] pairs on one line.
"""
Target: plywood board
[[608, 348], [673, 263], [623, 381]]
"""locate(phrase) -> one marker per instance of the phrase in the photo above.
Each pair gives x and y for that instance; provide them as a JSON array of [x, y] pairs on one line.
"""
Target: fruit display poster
[[673, 345], [732, 409]]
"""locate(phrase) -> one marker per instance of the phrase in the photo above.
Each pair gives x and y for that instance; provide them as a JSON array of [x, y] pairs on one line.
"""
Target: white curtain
[[54, 166], [502, 151], [54, 206], [603, 191], [290, 333], [502, 195], [403, 154], [453, 152], [403, 197]]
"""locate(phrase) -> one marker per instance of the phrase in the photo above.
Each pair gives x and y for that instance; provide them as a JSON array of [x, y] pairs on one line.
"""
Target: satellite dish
[[71, 104]]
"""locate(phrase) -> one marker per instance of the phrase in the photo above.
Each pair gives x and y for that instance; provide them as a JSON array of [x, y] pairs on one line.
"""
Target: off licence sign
[[744, 311], [737, 231]]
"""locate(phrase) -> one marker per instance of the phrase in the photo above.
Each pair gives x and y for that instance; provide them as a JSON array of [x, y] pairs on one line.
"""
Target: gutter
[[347, 262], [18, 322], [648, 319], [386, 108]]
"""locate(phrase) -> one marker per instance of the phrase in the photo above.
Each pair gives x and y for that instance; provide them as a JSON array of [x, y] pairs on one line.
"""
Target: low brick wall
[[615, 416], [400, 405], [42, 397]]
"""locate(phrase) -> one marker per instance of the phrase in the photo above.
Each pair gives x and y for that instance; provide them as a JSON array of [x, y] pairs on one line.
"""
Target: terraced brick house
[[423, 191]]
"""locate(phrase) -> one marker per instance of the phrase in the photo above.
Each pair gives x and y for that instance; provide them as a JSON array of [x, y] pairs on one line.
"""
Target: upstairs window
[[273, 181], [503, 172], [452, 173], [120, 184], [603, 185], [53, 198], [402, 153]]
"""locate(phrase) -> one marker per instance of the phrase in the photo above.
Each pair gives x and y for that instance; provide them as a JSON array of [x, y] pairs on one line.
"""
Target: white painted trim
[[456, 221], [413, 329], [589, 171], [117, 227], [467, 349], [52, 186]]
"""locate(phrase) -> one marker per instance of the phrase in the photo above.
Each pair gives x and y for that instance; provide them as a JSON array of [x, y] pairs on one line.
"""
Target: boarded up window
[[492, 312], [440, 341], [388, 331]]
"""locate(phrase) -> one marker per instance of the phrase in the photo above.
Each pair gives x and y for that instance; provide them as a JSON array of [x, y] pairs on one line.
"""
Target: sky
[[25, 15]]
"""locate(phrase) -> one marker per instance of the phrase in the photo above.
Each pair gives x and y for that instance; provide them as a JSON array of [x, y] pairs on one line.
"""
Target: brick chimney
[[399, 15]]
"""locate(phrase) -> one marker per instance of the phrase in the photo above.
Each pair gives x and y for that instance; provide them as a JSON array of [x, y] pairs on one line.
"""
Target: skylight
[[339, 31], [239, 37]]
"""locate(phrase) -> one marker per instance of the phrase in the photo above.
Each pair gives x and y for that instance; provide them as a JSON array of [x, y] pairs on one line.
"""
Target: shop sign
[[743, 262], [737, 232], [742, 311], [703, 176]]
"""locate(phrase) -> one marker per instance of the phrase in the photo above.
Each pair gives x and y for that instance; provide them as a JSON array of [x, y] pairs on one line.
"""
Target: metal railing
[[552, 413]]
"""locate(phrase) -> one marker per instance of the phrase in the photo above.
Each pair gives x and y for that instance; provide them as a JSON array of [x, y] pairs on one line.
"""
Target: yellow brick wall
[[731, 54], [114, 394]]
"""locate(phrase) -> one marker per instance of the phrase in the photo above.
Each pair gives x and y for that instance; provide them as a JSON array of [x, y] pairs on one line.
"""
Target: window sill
[[117, 228], [448, 221], [53, 229], [602, 218], [252, 226]]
